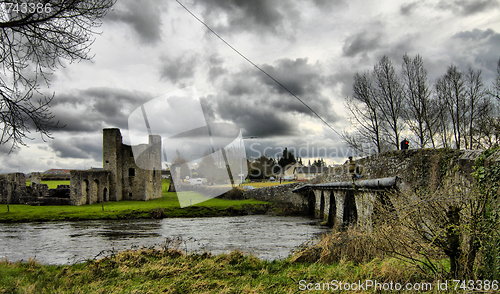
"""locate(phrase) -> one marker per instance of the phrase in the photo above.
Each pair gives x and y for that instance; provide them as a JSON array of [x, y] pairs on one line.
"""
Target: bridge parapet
[[424, 168]]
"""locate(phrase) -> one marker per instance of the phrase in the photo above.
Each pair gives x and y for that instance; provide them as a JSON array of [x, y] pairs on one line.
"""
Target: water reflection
[[267, 237]]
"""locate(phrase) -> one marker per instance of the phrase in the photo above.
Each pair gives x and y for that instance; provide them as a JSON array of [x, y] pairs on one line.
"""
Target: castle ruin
[[128, 173]]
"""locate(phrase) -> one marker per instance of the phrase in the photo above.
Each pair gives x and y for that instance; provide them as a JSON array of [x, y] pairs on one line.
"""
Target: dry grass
[[352, 245]]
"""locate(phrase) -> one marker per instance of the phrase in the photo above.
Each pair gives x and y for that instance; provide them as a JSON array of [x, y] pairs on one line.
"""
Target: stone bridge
[[338, 200], [340, 204]]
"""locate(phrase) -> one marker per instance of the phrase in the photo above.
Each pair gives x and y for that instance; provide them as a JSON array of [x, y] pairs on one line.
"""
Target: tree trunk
[[453, 238]]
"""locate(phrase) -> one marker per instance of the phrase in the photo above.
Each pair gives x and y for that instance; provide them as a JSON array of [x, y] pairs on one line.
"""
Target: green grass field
[[167, 206], [51, 184], [267, 184]]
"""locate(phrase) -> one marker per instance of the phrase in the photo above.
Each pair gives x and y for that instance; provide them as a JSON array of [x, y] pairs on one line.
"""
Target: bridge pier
[[343, 204], [332, 210]]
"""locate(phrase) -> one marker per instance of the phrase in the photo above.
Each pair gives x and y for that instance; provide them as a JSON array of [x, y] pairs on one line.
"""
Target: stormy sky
[[147, 49]]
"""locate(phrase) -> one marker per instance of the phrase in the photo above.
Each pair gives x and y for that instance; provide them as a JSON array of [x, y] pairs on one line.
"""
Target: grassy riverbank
[[167, 206], [170, 271]]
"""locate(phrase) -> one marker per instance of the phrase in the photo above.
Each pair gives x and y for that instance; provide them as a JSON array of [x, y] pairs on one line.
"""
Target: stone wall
[[135, 171], [12, 187], [13, 190], [88, 187], [423, 168], [36, 178], [280, 193]]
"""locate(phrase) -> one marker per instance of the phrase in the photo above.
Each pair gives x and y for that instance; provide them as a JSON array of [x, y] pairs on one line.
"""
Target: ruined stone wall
[[36, 178], [135, 171], [88, 187], [13, 190], [12, 187], [111, 161], [142, 170]]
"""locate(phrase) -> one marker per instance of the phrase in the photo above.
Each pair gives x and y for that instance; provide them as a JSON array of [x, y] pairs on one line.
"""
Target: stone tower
[[112, 161], [135, 170]]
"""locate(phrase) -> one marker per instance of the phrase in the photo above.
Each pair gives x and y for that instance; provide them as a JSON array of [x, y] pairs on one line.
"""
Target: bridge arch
[[322, 206], [85, 191], [349, 203], [95, 192], [332, 211], [350, 215], [105, 196], [311, 203]]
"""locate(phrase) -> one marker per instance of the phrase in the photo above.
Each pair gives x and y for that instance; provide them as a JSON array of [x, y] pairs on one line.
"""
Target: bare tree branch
[[35, 37]]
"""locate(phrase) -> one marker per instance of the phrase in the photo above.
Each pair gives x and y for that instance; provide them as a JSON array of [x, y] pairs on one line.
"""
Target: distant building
[[290, 171], [307, 173]]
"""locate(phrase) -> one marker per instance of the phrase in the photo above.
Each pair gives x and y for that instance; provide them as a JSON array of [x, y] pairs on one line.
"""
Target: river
[[267, 237]]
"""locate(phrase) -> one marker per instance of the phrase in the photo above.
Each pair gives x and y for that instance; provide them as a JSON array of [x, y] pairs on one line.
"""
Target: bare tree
[[451, 92], [477, 104], [443, 124], [365, 115], [496, 83], [35, 38], [450, 220], [419, 115], [389, 98], [487, 129]]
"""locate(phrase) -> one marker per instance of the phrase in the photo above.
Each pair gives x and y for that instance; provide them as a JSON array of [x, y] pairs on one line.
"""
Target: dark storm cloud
[[178, 69], [216, 68], [246, 101], [258, 15], [255, 119], [142, 16], [296, 75], [407, 8], [79, 147], [262, 16], [361, 43], [330, 4], [261, 107], [5, 149], [475, 35], [92, 109], [302, 79], [482, 45], [468, 7]]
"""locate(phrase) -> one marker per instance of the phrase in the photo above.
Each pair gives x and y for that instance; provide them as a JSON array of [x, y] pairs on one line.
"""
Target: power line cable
[[256, 66]]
